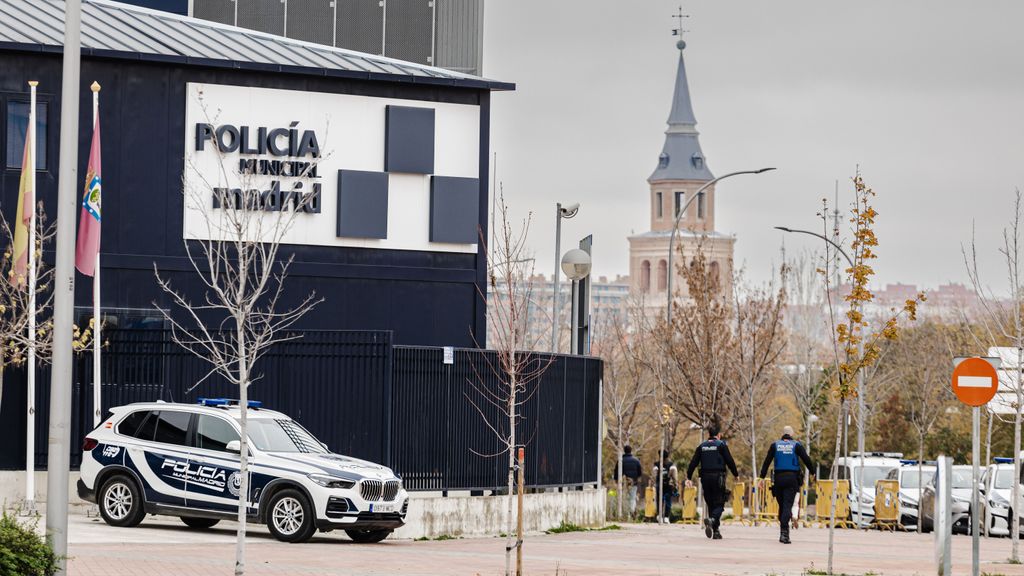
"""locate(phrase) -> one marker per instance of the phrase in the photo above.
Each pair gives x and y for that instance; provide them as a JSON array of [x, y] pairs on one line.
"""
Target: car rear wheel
[[368, 536], [120, 502], [290, 516], [199, 523]]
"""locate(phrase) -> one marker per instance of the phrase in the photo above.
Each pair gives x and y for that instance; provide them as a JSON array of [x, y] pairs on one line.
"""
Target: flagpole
[[97, 401], [30, 392]]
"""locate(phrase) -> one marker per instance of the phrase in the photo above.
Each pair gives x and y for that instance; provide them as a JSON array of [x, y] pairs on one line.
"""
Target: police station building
[[390, 158]]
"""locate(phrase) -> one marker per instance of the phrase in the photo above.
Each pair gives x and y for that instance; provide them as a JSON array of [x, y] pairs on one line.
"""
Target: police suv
[[183, 460]]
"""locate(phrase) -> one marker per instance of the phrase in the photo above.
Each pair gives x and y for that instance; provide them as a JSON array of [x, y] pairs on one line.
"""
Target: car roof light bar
[[226, 402]]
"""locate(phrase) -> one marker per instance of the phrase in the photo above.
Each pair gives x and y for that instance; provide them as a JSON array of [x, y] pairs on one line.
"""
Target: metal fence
[[402, 406]]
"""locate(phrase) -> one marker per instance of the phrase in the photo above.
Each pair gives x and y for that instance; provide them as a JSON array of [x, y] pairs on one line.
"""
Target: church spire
[[681, 157]]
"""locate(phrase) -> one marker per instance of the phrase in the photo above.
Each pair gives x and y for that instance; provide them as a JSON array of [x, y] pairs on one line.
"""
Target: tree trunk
[[835, 484], [619, 450], [920, 479], [243, 468], [753, 456], [988, 439], [1015, 497], [510, 529]]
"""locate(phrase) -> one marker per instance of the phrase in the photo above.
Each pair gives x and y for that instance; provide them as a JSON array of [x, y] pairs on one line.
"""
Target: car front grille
[[377, 491]]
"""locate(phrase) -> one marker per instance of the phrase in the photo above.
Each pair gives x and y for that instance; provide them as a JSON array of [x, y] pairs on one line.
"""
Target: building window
[[662, 276], [658, 202], [17, 127], [680, 197], [645, 277], [701, 208]]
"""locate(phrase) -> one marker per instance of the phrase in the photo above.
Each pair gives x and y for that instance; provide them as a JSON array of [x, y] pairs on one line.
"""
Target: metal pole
[[519, 516], [860, 439], [59, 446], [30, 388], [554, 283], [975, 457], [97, 397], [574, 336]]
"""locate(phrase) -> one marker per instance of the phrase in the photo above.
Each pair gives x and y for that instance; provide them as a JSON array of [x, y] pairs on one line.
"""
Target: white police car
[[182, 460]]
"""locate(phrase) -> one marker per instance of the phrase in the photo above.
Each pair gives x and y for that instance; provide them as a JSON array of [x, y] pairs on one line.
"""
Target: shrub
[[23, 551]]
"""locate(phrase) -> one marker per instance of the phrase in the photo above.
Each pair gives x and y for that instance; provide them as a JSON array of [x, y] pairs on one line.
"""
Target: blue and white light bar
[[1003, 460], [213, 402]]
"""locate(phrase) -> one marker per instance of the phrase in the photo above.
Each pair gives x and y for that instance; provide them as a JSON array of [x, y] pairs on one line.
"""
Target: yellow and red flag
[[26, 204]]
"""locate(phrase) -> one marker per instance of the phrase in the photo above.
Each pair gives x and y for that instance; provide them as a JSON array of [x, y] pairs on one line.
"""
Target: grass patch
[[991, 574], [443, 537], [566, 527]]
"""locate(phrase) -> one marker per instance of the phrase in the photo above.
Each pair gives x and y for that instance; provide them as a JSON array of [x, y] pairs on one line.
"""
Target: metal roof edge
[[468, 83]]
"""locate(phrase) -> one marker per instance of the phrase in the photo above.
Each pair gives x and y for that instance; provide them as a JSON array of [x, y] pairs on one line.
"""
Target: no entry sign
[[975, 381]]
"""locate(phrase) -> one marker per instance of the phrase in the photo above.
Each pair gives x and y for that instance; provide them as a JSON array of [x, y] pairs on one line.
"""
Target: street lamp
[[675, 229], [576, 265], [566, 212], [860, 379]]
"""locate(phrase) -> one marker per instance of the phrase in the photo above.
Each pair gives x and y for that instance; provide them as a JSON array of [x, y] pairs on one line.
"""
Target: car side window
[[172, 427], [214, 433], [140, 424]]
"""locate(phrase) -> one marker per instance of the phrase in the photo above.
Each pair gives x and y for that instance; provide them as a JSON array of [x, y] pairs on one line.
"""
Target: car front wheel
[[368, 536], [120, 502], [290, 516]]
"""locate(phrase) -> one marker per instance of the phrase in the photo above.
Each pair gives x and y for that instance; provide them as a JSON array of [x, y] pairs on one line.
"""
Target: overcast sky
[[926, 97]]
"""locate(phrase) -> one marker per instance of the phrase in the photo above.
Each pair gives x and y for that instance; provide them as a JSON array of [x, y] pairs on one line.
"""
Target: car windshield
[[962, 478], [1004, 478], [910, 478], [283, 436], [870, 474]]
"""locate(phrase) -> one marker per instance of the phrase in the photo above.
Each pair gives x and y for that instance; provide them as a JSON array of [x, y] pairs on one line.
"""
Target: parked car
[[996, 495], [961, 495], [183, 460], [876, 466], [911, 480]]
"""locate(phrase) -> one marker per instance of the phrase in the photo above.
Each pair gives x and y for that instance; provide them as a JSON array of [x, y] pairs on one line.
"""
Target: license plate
[[383, 508]]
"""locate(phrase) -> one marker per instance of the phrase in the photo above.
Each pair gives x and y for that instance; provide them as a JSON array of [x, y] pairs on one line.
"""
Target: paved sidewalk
[[164, 547]]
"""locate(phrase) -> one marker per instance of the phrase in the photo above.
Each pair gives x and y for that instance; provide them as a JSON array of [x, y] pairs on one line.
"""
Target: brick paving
[[164, 547]]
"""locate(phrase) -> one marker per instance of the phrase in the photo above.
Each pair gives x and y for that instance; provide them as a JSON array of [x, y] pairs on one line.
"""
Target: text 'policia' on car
[[183, 460]]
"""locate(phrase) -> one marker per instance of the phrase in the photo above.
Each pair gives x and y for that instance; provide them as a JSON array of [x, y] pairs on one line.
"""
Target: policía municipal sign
[[363, 171]]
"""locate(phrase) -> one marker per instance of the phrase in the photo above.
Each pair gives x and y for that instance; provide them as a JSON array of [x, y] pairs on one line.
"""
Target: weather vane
[[679, 16]]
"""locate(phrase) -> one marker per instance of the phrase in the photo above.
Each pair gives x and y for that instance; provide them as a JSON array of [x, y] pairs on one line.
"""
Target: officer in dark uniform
[[787, 477], [713, 457]]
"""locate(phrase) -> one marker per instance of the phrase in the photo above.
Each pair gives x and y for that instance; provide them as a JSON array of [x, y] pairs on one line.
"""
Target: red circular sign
[[975, 381]]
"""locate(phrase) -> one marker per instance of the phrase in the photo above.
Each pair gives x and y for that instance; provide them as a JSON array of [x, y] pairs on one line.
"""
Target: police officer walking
[[787, 477], [713, 457]]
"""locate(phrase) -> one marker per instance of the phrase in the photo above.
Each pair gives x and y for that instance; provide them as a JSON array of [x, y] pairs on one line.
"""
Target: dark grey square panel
[[454, 210], [409, 140], [362, 204]]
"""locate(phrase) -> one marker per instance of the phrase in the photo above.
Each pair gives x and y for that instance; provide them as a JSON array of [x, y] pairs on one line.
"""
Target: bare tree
[[759, 342], [239, 265], [1001, 322], [628, 387], [515, 370]]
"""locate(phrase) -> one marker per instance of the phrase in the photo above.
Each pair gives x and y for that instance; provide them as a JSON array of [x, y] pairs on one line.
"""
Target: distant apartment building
[[942, 301], [443, 33]]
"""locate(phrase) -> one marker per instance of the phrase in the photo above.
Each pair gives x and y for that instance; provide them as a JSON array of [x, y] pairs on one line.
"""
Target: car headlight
[[332, 481], [908, 504], [997, 501]]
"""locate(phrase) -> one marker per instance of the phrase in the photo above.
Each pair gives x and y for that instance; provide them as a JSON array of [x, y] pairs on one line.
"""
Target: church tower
[[681, 171]]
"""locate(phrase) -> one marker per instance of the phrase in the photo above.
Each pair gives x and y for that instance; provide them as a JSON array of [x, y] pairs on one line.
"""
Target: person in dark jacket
[[786, 454], [714, 458], [665, 477], [632, 470]]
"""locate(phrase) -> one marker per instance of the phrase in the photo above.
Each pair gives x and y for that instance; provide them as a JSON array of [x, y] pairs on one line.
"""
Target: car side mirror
[[234, 446]]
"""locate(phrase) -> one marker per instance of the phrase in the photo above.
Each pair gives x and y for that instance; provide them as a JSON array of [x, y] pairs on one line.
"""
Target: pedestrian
[[631, 472], [665, 477], [787, 478], [714, 458]]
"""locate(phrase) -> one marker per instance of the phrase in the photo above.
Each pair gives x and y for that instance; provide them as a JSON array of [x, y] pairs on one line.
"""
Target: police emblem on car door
[[160, 457], [216, 481]]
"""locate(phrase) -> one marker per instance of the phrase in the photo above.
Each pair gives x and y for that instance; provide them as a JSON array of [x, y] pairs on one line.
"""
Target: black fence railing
[[402, 406]]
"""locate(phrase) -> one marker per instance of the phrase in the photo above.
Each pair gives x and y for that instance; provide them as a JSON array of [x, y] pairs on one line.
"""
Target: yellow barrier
[[887, 505], [823, 503], [739, 491], [767, 506], [689, 505], [650, 506]]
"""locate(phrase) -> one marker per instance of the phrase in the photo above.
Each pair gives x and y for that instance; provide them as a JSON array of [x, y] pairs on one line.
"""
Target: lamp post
[[860, 380], [576, 265], [566, 212], [675, 230]]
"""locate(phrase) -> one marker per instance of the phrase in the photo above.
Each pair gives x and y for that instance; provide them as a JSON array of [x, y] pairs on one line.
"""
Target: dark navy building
[[401, 183]]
